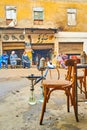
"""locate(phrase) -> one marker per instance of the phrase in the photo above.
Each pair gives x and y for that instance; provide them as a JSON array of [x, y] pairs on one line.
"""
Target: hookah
[[42, 68], [32, 98], [35, 79]]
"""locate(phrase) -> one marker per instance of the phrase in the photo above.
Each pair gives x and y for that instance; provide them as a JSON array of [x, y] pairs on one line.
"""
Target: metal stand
[[42, 93]]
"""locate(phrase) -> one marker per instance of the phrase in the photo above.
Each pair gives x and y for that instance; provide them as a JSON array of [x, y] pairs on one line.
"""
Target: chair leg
[[48, 91], [84, 84], [68, 103], [75, 108], [68, 99], [44, 105], [81, 80], [75, 111]]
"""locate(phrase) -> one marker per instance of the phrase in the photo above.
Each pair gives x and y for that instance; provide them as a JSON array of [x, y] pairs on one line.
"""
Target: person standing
[[37, 59], [50, 54], [5, 59], [25, 60], [61, 61], [50, 65], [0, 62], [13, 59]]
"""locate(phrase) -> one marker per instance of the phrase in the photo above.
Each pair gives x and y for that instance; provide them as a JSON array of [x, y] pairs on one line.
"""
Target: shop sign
[[13, 37], [43, 38]]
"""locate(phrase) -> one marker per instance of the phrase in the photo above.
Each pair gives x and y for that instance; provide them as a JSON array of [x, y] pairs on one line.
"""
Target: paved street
[[7, 86], [17, 114], [11, 79]]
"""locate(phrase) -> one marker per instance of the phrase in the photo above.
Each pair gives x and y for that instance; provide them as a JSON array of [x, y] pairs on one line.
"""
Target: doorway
[[41, 53]]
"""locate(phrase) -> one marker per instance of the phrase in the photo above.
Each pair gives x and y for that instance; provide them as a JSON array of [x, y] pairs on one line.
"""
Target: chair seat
[[60, 84]]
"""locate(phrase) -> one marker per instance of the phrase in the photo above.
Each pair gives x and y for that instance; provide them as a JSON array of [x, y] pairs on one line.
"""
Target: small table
[[78, 66]]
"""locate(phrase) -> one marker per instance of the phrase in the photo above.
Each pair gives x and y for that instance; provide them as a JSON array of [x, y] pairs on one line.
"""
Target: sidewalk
[[17, 114]]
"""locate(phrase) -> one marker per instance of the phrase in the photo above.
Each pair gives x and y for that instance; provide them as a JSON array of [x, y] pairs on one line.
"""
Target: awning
[[13, 45], [42, 46]]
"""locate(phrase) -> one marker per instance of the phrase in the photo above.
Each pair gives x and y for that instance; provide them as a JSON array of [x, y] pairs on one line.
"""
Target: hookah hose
[[42, 77]]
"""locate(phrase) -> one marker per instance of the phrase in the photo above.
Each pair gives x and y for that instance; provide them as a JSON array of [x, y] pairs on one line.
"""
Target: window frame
[[71, 16], [40, 15], [11, 12]]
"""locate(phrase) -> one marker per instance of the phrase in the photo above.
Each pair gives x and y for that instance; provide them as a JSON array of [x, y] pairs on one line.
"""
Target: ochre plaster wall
[[55, 13]]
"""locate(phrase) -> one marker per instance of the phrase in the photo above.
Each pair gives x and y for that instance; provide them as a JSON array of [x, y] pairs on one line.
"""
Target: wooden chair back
[[71, 73], [53, 74], [71, 70]]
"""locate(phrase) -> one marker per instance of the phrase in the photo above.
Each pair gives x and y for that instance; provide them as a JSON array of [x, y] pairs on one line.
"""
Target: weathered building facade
[[38, 26]]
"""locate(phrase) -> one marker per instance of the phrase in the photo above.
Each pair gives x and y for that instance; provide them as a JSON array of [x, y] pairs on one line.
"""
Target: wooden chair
[[67, 85], [85, 76], [81, 76]]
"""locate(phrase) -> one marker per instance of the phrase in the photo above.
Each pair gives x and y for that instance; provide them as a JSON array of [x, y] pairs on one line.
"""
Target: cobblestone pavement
[[17, 114]]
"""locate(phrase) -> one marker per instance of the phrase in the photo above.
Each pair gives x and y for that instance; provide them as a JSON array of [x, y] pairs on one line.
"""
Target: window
[[38, 15], [10, 14], [71, 17]]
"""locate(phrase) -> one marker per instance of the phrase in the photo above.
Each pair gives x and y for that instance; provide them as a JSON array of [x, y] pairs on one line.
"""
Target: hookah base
[[32, 101]]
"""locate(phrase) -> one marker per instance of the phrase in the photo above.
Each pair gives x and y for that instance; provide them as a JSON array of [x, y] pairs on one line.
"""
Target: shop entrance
[[17, 51], [18, 47], [42, 49], [41, 53]]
